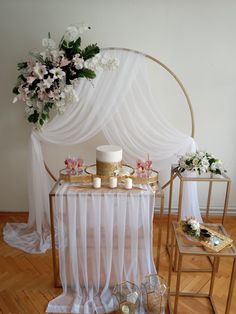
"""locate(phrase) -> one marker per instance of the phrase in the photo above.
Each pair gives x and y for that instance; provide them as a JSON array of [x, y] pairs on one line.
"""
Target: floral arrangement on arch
[[48, 80], [200, 162]]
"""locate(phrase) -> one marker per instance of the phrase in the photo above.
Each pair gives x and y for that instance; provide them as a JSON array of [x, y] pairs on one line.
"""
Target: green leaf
[[21, 65], [15, 90], [41, 122], [48, 106], [22, 78], [86, 73], [76, 47], [37, 56], [78, 41], [33, 118], [90, 51]]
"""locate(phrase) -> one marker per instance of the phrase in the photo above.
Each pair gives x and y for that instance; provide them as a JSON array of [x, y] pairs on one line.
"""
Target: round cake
[[108, 159]]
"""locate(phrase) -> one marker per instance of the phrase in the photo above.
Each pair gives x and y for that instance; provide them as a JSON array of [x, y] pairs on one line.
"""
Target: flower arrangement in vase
[[143, 167], [73, 165], [48, 80]]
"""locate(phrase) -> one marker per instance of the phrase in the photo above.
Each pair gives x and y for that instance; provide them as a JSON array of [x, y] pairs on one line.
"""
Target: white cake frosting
[[109, 153]]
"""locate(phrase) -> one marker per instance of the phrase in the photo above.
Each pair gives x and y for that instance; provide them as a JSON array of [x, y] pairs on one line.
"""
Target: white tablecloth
[[104, 238]]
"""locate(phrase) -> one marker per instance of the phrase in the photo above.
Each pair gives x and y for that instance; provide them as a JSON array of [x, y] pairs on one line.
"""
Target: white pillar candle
[[128, 183], [96, 183], [112, 182]]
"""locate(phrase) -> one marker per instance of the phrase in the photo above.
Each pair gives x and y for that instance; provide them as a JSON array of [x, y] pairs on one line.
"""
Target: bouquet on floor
[[200, 162], [48, 80]]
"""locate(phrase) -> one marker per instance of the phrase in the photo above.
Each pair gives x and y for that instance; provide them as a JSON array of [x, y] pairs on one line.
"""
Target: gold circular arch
[[175, 78]]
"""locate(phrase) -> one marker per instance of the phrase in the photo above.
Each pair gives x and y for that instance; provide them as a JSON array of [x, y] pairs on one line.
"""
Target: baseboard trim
[[212, 212]]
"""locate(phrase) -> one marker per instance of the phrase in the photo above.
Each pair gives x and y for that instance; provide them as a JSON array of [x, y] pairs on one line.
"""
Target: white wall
[[196, 39]]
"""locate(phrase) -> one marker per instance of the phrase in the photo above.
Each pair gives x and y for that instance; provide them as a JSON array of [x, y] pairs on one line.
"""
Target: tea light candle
[[112, 182], [128, 183], [96, 183], [125, 309]]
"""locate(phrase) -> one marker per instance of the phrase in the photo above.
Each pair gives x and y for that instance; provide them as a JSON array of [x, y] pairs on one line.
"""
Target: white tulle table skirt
[[104, 238]]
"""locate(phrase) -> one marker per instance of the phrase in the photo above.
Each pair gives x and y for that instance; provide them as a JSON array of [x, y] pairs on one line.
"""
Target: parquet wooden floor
[[26, 283]]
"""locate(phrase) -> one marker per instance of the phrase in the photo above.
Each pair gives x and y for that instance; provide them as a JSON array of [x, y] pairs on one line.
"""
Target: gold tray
[[79, 178], [224, 241]]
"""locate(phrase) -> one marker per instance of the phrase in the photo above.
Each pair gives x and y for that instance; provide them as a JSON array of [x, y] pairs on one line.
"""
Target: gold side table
[[210, 178], [194, 249]]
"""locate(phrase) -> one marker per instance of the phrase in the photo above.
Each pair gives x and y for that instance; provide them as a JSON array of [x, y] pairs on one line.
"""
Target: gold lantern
[[128, 297], [154, 294]]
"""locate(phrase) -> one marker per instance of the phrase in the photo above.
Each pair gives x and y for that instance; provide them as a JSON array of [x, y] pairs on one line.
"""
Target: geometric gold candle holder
[[128, 297], [154, 294]]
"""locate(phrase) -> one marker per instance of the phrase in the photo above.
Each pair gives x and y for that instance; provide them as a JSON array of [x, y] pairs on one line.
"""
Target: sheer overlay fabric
[[120, 104], [103, 239]]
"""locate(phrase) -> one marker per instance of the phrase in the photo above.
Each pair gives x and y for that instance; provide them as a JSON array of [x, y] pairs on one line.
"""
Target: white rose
[[200, 154], [182, 163], [205, 162], [194, 224], [203, 170], [78, 62], [213, 166], [71, 33]]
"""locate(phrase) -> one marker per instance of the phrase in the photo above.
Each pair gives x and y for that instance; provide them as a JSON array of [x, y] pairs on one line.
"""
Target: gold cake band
[[107, 168]]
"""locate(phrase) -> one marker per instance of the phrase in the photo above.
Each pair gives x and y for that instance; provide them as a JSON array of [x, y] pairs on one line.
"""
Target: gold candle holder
[[154, 294], [128, 297]]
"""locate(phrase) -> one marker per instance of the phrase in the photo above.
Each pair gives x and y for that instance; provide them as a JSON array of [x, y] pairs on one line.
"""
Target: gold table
[[57, 283], [196, 249]]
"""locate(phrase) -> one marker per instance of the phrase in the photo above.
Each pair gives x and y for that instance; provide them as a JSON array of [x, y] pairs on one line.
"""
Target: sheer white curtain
[[104, 239], [121, 104]]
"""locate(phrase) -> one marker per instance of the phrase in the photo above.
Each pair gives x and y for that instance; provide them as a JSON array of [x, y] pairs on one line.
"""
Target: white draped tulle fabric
[[120, 104], [104, 238]]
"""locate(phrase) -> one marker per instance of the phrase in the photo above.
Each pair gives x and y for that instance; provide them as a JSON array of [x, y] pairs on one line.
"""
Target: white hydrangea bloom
[[102, 62]]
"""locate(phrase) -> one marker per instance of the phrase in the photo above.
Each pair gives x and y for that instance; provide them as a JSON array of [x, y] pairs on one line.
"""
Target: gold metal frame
[[176, 173], [175, 243]]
